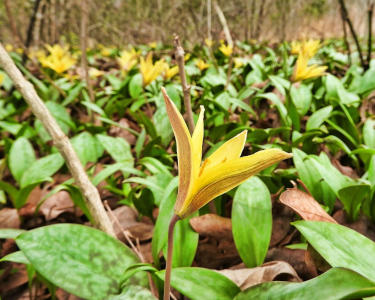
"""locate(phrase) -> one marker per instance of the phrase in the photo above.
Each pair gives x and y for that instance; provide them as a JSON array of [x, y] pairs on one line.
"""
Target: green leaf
[[185, 243], [83, 261], [162, 125], [310, 176], [340, 246], [352, 197], [301, 98], [280, 107], [369, 133], [252, 221], [199, 283], [136, 85], [335, 284], [118, 148], [133, 292], [87, 147], [17, 257], [21, 157], [159, 238], [10, 233], [318, 117], [337, 92], [42, 169]]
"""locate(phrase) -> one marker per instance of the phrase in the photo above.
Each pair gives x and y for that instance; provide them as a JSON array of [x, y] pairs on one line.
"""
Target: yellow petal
[[226, 176], [184, 149], [197, 141], [230, 150]]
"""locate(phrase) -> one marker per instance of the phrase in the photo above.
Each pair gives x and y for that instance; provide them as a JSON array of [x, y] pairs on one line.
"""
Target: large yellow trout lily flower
[[128, 59], [199, 182], [308, 48], [227, 50]]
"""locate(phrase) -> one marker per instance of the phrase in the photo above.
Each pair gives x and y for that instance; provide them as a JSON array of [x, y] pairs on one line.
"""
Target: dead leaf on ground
[[32, 201], [13, 279], [59, 203], [281, 228], [120, 132], [305, 205], [63, 295], [295, 257], [213, 226], [248, 277], [348, 171], [9, 218], [127, 217]]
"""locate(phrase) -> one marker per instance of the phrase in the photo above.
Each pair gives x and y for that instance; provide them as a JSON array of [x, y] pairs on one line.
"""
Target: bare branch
[[61, 141], [223, 22], [180, 58]]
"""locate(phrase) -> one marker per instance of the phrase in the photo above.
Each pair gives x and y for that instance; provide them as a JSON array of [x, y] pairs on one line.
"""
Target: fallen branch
[[180, 58], [61, 141]]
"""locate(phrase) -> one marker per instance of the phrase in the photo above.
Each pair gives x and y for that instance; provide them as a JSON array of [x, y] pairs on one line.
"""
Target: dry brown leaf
[[127, 217], [9, 218], [32, 201], [305, 205], [57, 204], [13, 279], [213, 226], [120, 132], [248, 277]]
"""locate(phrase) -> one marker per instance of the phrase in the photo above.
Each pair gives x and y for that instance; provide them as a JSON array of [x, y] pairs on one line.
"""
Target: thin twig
[[29, 36], [136, 249], [84, 36], [224, 23], [229, 72], [209, 20], [61, 141], [12, 23], [168, 267], [346, 37], [352, 31], [180, 58], [369, 39]]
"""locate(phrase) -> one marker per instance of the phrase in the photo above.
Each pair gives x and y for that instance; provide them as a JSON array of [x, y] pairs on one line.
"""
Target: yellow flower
[[1, 78], [9, 47], [127, 59], [59, 58], [303, 71], [199, 182], [169, 72], [105, 51], [149, 70], [227, 50], [209, 42], [307, 48], [187, 56], [94, 72], [153, 45], [238, 62], [201, 64]]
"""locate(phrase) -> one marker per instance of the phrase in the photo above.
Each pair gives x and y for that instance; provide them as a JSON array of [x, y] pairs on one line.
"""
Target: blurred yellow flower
[[209, 42], [308, 48], [303, 71], [200, 182], [59, 58], [128, 59], [187, 56], [201, 64], [227, 50], [105, 51], [9, 47], [94, 72], [238, 62], [153, 45], [169, 72], [1, 78], [149, 70]]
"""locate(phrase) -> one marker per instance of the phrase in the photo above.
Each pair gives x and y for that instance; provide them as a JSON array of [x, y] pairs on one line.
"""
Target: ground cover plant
[[286, 156]]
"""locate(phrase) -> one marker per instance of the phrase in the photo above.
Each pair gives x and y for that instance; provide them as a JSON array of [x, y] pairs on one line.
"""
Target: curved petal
[[184, 149], [223, 177], [230, 150], [197, 141]]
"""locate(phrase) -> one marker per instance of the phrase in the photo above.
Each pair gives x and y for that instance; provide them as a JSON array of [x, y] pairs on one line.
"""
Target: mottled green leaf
[[21, 157]]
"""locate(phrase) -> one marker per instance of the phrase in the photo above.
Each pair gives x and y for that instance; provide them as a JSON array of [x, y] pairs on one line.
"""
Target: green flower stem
[[168, 267]]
